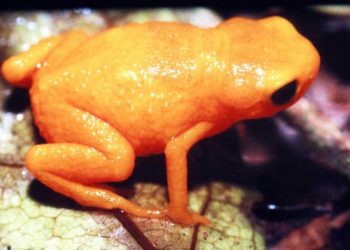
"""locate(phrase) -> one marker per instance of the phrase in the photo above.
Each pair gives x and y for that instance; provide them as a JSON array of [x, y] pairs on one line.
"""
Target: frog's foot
[[187, 217], [70, 170]]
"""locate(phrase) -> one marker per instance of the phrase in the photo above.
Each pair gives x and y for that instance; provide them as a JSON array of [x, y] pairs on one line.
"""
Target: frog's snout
[[284, 94]]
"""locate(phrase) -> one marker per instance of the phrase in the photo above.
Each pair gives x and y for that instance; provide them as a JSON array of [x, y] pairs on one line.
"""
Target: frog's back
[[138, 76], [138, 45], [135, 54]]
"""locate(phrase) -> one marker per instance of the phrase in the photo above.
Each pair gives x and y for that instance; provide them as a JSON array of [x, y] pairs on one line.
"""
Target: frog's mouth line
[[284, 94]]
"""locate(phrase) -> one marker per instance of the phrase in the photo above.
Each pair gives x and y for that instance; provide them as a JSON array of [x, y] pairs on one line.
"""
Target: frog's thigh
[[86, 151], [71, 41]]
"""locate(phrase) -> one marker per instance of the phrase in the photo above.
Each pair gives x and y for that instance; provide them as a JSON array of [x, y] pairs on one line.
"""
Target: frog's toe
[[188, 218], [200, 219], [156, 213], [144, 212]]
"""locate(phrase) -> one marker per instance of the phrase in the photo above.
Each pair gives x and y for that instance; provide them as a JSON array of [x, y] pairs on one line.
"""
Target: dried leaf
[[26, 223], [314, 235], [322, 135], [16, 136]]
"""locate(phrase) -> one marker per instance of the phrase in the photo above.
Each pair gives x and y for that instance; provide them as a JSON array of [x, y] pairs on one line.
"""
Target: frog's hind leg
[[86, 151]]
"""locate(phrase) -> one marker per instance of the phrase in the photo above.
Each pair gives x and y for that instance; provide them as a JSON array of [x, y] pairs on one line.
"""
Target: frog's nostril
[[285, 94]]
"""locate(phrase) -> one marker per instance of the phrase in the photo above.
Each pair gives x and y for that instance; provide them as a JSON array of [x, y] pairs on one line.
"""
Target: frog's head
[[270, 69]]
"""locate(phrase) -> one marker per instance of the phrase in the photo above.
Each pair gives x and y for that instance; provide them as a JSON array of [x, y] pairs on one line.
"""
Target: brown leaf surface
[[315, 235], [322, 134], [26, 223]]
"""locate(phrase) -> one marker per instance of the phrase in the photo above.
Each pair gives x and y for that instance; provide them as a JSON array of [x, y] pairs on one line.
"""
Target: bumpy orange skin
[[150, 88]]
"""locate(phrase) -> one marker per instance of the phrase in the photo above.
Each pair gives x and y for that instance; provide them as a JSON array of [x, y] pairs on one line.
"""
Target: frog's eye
[[284, 94]]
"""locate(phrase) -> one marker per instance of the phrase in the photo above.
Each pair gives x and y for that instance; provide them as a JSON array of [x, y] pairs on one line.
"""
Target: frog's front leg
[[176, 160], [85, 151]]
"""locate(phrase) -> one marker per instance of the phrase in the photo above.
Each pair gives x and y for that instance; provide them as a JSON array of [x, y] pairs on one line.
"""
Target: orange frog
[[140, 89]]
